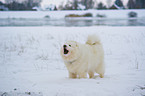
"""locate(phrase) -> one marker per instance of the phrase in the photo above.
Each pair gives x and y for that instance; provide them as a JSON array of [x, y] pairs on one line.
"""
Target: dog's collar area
[[71, 62]]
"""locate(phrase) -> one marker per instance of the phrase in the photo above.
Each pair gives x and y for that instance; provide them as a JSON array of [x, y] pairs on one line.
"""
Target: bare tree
[[140, 4], [131, 4], [119, 3], [9, 1], [89, 4], [101, 6], [19, 5], [75, 4]]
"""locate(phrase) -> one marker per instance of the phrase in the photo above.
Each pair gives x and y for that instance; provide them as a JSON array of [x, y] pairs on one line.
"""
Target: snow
[[30, 61], [117, 6], [61, 14], [81, 7]]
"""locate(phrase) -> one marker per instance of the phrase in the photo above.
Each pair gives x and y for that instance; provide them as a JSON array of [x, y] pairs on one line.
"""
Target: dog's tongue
[[65, 51]]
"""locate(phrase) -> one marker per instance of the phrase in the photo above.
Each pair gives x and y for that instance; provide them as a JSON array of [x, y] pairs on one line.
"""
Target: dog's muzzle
[[65, 49]]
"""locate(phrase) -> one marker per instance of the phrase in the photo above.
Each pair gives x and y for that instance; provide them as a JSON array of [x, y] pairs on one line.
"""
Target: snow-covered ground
[[30, 61], [57, 18]]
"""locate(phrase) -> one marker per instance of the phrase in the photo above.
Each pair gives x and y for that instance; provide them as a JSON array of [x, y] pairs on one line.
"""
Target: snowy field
[[30, 62], [57, 18], [61, 14]]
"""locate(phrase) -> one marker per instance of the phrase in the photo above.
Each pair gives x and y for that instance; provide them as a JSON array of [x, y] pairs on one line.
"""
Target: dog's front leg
[[72, 75], [83, 75], [91, 74]]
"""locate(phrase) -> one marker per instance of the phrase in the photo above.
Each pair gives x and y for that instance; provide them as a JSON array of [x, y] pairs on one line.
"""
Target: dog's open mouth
[[65, 51]]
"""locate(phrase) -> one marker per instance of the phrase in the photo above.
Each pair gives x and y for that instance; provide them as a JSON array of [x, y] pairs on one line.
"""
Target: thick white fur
[[84, 58]]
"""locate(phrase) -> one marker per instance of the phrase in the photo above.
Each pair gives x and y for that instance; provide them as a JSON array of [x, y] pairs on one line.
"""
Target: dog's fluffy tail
[[93, 40]]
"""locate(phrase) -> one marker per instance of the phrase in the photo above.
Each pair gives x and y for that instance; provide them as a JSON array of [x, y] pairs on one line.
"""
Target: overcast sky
[[57, 2]]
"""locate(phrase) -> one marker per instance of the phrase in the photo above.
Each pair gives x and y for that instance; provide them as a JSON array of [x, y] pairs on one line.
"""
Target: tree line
[[90, 4], [136, 4], [75, 4], [25, 5]]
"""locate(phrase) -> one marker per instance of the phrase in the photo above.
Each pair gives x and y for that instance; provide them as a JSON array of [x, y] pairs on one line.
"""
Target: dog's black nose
[[64, 46]]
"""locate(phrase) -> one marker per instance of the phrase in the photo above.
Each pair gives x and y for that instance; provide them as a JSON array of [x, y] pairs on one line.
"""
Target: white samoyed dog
[[83, 59]]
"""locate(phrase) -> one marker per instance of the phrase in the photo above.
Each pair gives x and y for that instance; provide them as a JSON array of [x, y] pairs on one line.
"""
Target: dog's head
[[70, 51]]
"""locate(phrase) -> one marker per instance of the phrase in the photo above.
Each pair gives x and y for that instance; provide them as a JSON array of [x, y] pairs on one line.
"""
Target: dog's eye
[[69, 45]]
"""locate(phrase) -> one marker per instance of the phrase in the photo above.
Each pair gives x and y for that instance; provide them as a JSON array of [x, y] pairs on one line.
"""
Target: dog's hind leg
[[101, 70], [102, 75]]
